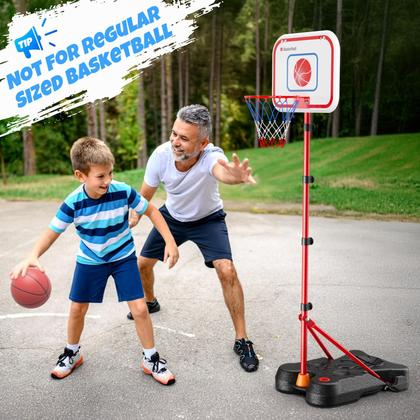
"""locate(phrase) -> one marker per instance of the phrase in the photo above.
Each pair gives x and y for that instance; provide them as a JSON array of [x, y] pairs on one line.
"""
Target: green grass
[[378, 175]]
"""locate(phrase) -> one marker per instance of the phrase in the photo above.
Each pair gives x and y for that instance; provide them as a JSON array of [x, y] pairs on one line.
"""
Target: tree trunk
[[180, 80], [290, 16], [358, 120], [320, 22], [29, 158], [361, 24], [266, 80], [141, 119], [21, 6], [169, 89], [315, 15], [155, 106], [29, 155], [92, 120], [218, 82], [329, 123], [3, 165], [102, 121], [187, 78], [375, 114], [212, 63], [163, 104], [336, 113], [257, 57]]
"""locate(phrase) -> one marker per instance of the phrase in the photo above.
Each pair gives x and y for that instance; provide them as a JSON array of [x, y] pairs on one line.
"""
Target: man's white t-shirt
[[191, 195]]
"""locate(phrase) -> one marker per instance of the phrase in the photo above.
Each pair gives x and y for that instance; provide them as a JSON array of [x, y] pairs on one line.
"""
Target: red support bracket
[[312, 326]]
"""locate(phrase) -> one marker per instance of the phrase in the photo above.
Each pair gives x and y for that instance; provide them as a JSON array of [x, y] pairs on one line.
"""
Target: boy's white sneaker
[[156, 367], [67, 362]]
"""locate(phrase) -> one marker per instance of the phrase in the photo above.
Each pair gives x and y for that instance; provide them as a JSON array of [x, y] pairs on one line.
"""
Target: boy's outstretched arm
[[171, 250], [41, 246]]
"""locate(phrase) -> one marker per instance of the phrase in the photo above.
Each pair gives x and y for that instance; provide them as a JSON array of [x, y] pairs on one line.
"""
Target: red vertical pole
[[303, 379]]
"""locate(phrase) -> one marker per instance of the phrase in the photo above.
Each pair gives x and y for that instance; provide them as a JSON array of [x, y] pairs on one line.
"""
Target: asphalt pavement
[[363, 282]]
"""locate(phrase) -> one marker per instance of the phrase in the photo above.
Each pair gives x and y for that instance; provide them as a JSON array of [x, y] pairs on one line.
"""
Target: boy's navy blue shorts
[[89, 281], [209, 234]]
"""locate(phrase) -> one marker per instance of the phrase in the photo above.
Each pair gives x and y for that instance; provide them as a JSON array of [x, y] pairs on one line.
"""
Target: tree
[[92, 120], [212, 63], [154, 95], [163, 103], [290, 16], [141, 116], [218, 83], [102, 121], [125, 145], [360, 59], [266, 55], [2, 164], [187, 78], [29, 156], [180, 80], [375, 113], [169, 89], [317, 15], [336, 113]]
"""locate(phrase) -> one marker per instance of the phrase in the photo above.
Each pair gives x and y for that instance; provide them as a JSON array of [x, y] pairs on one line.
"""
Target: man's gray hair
[[198, 115]]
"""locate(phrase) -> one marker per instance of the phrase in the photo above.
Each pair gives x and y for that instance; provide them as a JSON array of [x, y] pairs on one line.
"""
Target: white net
[[272, 116]]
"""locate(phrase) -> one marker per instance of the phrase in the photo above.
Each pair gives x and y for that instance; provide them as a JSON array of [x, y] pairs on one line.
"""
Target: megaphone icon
[[30, 41]]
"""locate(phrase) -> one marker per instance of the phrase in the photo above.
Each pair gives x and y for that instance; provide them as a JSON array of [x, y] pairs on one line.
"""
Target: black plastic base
[[341, 381]]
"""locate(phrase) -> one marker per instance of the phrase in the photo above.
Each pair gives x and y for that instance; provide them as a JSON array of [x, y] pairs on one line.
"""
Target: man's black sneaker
[[152, 306], [247, 357]]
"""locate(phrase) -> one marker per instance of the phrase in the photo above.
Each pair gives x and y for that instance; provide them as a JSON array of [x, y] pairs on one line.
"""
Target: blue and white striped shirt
[[102, 223]]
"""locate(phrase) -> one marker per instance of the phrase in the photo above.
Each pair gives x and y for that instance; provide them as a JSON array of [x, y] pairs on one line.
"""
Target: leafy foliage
[[361, 34]]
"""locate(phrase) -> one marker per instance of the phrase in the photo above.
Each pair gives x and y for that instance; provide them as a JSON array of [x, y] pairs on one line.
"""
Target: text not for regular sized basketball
[[31, 290]]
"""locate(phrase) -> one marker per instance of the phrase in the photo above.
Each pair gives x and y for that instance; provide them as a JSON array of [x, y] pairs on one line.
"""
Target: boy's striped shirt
[[102, 223]]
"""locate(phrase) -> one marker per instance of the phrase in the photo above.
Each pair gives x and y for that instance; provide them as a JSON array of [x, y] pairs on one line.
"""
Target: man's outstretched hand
[[237, 172]]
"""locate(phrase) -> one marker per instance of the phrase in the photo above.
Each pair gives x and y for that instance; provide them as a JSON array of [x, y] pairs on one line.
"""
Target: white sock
[[148, 353], [73, 347]]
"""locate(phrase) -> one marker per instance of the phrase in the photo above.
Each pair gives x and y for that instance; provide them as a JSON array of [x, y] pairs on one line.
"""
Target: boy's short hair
[[89, 151]]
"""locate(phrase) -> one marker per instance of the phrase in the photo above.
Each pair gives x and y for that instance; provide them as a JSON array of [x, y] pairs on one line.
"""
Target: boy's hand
[[171, 254], [23, 266], [133, 219]]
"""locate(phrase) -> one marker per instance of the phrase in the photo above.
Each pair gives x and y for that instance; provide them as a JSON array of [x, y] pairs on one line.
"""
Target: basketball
[[302, 72], [31, 290]]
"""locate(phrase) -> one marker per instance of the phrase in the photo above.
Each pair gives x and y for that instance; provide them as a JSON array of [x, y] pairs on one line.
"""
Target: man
[[189, 167]]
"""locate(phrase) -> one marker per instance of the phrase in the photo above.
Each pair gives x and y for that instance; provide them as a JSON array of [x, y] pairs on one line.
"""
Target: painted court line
[[174, 331]]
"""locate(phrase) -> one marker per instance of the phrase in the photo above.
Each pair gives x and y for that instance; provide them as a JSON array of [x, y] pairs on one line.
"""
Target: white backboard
[[308, 65]]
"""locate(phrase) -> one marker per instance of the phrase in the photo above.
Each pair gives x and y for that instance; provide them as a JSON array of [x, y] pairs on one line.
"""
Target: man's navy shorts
[[209, 234], [89, 281]]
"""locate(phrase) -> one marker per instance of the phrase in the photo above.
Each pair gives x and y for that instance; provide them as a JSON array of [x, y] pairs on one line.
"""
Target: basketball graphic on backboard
[[302, 72]]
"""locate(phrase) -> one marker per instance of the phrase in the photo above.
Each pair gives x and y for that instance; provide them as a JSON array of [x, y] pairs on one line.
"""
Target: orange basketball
[[31, 290], [302, 72]]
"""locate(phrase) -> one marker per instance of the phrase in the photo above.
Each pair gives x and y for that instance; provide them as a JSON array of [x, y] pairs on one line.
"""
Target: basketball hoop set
[[306, 79]]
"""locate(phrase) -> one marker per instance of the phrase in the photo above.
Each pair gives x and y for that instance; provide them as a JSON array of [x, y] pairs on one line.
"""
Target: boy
[[99, 209]]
